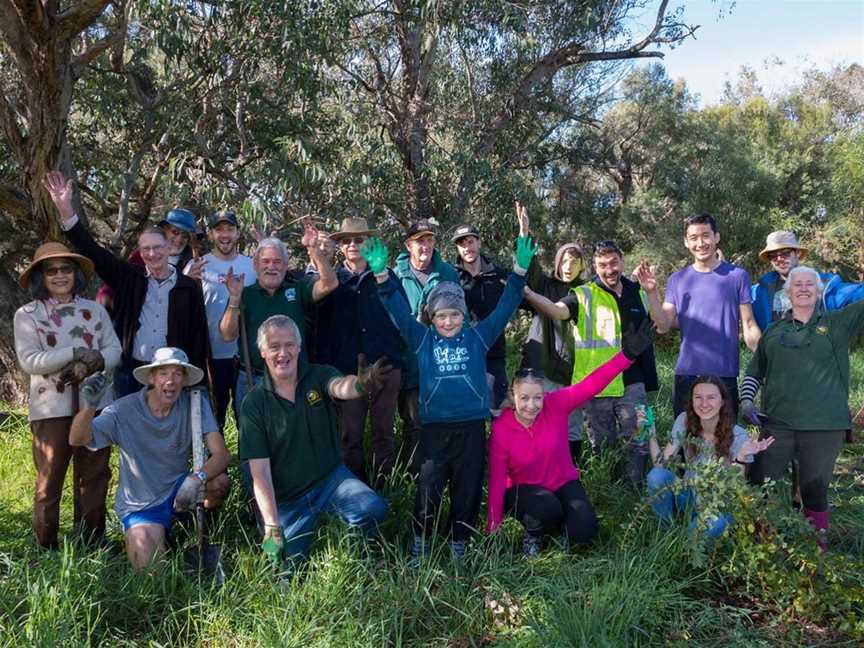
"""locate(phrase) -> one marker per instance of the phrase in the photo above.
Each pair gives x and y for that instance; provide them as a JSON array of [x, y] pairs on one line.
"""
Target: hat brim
[[419, 234], [802, 251], [456, 239], [182, 228], [83, 262], [338, 236], [193, 373]]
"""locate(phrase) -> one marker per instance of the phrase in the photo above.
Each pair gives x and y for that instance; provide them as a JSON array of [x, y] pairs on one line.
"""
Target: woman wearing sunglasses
[[531, 473], [802, 365], [60, 339]]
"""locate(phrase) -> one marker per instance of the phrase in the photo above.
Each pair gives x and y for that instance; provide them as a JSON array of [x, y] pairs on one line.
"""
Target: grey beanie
[[446, 294]]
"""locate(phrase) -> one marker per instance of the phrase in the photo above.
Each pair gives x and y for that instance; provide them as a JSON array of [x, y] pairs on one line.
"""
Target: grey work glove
[[94, 388], [187, 496], [92, 358], [370, 378], [635, 341], [749, 411]]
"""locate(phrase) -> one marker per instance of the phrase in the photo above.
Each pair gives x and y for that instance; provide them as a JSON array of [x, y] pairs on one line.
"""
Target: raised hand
[[522, 219], [635, 341], [646, 275], [310, 234], [60, 190], [234, 284], [94, 388], [370, 378], [375, 253], [196, 268], [754, 447], [525, 251]]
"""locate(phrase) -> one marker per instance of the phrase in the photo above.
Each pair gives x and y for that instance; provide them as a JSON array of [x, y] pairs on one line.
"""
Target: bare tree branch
[[79, 16], [16, 139]]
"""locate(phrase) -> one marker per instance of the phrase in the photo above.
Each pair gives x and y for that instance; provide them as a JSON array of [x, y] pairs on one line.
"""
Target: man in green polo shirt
[[273, 293], [802, 363], [289, 436]]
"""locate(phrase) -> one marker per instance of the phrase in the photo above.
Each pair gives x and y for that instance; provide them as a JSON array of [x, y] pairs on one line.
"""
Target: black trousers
[[816, 452], [224, 387], [454, 454], [683, 384], [542, 511]]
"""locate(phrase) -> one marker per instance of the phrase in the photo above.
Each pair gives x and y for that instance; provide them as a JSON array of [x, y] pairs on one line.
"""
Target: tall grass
[[638, 585]]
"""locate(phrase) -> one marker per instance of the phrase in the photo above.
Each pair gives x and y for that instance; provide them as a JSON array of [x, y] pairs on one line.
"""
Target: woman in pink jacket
[[531, 473]]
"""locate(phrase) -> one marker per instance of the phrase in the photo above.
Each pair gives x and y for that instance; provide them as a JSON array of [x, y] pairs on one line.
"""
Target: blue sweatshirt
[[452, 370]]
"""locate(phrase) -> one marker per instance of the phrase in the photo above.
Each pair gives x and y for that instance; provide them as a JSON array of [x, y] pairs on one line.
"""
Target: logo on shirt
[[313, 397], [451, 359], [290, 294], [822, 329]]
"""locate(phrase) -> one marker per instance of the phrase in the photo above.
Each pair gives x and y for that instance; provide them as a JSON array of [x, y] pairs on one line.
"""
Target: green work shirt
[[300, 438], [805, 368], [292, 298]]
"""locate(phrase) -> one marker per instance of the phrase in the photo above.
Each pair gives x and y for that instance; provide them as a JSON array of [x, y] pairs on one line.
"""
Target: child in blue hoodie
[[454, 397]]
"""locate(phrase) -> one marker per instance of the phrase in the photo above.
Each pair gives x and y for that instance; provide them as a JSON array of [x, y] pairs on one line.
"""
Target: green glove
[[525, 251], [375, 253], [273, 544]]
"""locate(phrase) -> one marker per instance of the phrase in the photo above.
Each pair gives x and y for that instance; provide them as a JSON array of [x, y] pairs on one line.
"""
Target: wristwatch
[[201, 475]]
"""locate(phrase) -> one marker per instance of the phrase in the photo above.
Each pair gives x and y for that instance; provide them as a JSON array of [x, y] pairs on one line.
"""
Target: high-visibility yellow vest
[[597, 335]]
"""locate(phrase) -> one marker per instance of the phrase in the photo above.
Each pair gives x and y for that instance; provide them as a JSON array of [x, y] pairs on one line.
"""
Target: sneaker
[[457, 549], [419, 552], [531, 546]]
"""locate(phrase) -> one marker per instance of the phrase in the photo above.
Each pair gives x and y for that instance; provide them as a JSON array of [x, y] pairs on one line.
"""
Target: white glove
[[187, 496]]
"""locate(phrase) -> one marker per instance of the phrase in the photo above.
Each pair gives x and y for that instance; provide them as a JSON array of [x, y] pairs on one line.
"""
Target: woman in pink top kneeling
[[531, 473]]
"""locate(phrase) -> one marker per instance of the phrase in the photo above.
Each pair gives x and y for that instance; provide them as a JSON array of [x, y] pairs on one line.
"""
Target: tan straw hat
[[166, 357], [352, 227], [55, 250], [782, 240]]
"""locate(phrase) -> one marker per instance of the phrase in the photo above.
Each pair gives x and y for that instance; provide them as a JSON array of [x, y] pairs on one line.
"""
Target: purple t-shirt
[[707, 304]]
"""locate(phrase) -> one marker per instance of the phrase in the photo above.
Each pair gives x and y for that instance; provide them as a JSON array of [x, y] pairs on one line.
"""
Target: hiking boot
[[531, 545]]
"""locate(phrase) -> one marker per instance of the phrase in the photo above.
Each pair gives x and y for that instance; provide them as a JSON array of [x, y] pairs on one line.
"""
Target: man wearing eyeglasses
[[154, 306], [224, 258], [357, 324], [770, 298]]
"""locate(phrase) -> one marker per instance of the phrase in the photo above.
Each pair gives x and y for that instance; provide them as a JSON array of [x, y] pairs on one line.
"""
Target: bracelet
[[233, 307]]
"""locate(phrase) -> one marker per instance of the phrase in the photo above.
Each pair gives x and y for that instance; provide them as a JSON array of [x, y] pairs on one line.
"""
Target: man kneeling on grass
[[153, 429], [289, 436]]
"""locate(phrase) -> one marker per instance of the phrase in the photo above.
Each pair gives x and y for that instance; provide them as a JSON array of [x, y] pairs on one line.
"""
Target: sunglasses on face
[[529, 372], [780, 254], [357, 240], [59, 269]]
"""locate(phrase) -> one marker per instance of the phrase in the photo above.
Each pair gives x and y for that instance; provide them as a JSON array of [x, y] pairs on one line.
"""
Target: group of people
[[310, 356]]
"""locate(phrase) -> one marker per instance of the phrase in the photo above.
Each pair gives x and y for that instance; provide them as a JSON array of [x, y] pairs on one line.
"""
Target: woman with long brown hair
[[706, 431]]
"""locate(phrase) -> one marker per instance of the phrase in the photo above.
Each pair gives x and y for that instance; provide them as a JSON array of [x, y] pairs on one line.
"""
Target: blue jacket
[[452, 371], [417, 293], [837, 294]]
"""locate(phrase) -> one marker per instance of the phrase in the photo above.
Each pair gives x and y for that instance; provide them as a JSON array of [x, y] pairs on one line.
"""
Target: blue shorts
[[162, 513]]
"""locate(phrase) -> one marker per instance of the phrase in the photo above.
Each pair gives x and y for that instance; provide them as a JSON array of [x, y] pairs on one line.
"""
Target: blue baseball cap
[[182, 219]]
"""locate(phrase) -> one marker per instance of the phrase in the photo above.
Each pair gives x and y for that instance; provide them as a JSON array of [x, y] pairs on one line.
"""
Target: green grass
[[638, 585]]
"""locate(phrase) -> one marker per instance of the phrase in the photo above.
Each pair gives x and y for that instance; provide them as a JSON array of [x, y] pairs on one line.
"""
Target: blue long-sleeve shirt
[[452, 370]]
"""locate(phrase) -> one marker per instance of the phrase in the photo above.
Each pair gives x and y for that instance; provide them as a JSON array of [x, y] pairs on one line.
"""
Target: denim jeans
[[666, 503], [340, 493]]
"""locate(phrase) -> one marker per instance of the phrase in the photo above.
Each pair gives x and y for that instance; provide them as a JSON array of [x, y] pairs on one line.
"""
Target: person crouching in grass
[[454, 398], [152, 428], [531, 472]]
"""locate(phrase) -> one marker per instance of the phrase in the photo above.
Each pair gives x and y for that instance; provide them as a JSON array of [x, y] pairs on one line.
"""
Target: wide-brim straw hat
[[352, 227], [55, 250], [782, 240], [166, 357]]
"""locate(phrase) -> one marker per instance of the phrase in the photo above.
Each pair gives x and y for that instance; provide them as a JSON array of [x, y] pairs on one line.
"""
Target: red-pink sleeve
[[573, 396], [497, 477]]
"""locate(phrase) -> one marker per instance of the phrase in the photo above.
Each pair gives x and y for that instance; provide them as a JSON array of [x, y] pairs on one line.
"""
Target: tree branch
[[16, 139], [79, 16]]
